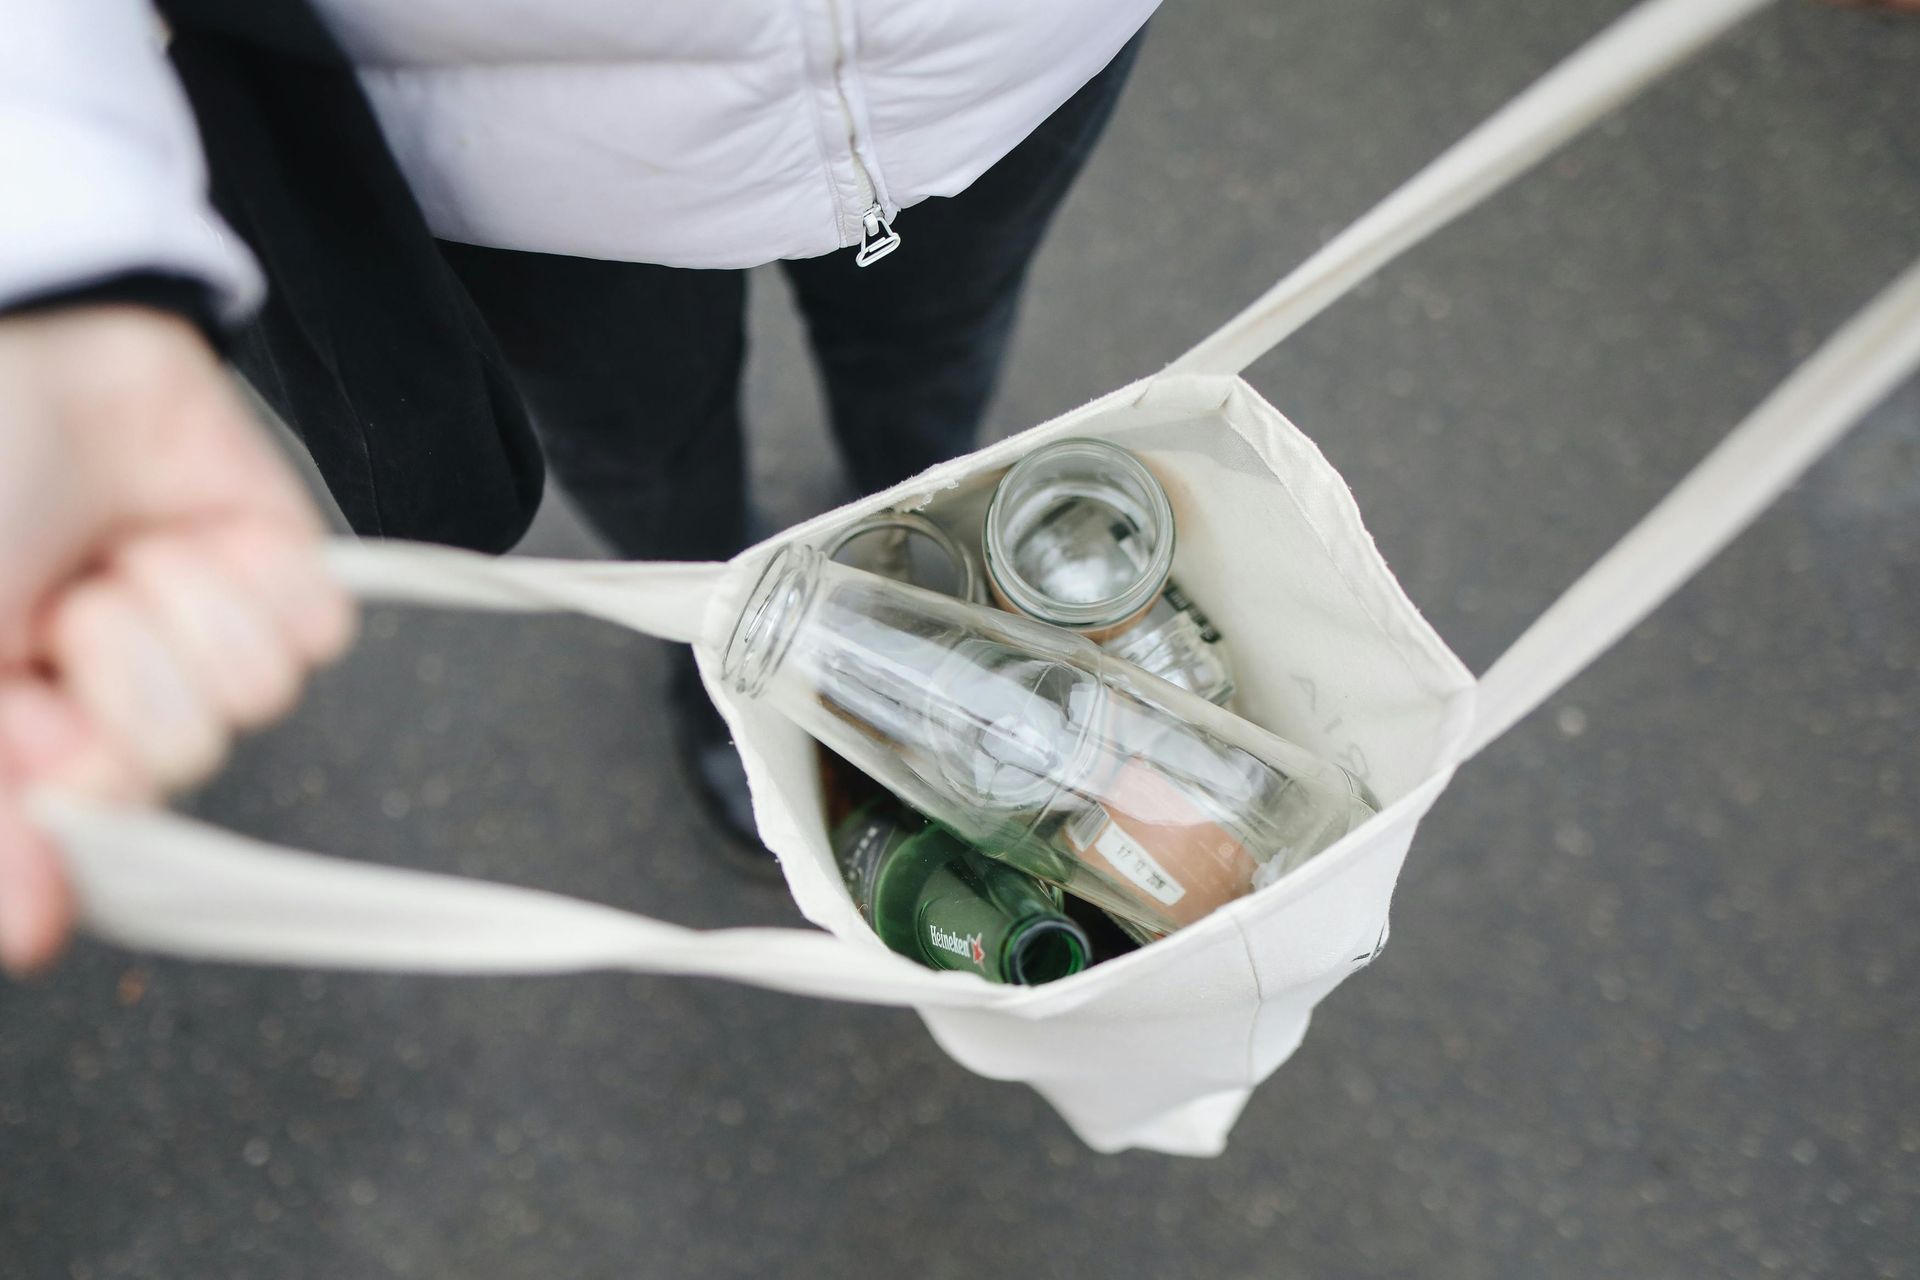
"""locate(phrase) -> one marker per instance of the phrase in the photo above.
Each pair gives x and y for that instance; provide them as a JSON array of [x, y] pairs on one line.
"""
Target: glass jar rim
[[1143, 501], [966, 574]]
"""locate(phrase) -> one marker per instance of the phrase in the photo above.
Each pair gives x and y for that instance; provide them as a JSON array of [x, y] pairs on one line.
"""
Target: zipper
[[877, 236]]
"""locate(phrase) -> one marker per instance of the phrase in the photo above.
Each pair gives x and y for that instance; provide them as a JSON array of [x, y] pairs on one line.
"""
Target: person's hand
[[160, 580]]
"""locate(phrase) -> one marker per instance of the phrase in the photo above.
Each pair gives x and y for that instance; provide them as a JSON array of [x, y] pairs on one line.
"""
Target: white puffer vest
[[698, 133]]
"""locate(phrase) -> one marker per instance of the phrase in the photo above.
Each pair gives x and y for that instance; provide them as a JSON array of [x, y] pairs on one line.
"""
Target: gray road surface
[[1650, 1008]]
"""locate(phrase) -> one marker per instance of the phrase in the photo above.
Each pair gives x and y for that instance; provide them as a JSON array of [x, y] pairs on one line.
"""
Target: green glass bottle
[[935, 899]]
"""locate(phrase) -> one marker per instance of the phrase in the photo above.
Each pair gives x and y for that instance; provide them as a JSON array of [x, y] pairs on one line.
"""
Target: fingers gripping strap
[[159, 882], [668, 600], [1609, 70], [1811, 410]]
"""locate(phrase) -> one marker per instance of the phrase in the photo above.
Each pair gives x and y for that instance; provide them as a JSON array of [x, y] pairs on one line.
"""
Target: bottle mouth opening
[[1035, 491], [769, 620], [1047, 950]]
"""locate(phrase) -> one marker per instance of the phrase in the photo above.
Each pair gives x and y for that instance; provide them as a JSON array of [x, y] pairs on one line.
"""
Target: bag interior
[[1327, 650]]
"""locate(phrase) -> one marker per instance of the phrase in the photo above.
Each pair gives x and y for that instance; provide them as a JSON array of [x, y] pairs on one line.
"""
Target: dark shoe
[[717, 778]]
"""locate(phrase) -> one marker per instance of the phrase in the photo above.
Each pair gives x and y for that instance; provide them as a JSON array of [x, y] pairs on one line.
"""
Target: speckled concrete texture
[[1650, 1007]]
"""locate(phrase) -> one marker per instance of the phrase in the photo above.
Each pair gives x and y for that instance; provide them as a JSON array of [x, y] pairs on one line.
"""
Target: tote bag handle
[[170, 884], [1608, 70], [167, 883], [1726, 491], [1857, 367]]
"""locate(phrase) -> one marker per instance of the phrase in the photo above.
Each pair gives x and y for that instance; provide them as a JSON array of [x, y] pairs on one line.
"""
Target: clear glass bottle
[[907, 547], [933, 899], [1033, 744], [1080, 534]]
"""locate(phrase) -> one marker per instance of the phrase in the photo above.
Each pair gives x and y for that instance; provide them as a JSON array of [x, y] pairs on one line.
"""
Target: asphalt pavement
[[1652, 1004]]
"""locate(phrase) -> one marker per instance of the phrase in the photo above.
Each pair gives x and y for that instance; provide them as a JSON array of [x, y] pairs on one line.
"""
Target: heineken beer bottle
[[933, 898]]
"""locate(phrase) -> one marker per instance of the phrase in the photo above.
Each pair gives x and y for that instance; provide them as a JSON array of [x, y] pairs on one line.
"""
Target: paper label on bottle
[[1149, 832], [1131, 860]]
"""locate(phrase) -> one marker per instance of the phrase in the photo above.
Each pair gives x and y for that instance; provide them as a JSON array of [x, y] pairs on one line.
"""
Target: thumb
[[36, 905]]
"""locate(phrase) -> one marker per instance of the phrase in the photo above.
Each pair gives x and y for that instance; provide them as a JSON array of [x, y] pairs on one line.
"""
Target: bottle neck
[[982, 916], [770, 619], [1043, 948]]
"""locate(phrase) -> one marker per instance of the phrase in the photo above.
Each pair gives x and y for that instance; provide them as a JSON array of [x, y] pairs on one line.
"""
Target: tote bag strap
[[166, 883], [1780, 439], [668, 600], [1610, 69], [1764, 455]]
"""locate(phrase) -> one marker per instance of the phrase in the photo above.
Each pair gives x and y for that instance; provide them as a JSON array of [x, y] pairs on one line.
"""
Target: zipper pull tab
[[877, 238]]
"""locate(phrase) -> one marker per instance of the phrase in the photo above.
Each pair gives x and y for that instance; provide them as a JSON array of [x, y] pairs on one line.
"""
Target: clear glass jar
[[1081, 534], [1035, 746], [908, 547]]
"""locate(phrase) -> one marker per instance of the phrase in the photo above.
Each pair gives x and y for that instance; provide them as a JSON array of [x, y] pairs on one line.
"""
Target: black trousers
[[633, 371]]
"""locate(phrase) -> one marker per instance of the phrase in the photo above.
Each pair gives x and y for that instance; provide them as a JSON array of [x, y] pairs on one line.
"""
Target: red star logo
[[979, 952]]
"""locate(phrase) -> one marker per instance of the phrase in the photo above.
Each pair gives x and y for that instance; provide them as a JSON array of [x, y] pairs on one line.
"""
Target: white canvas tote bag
[[1162, 1047]]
